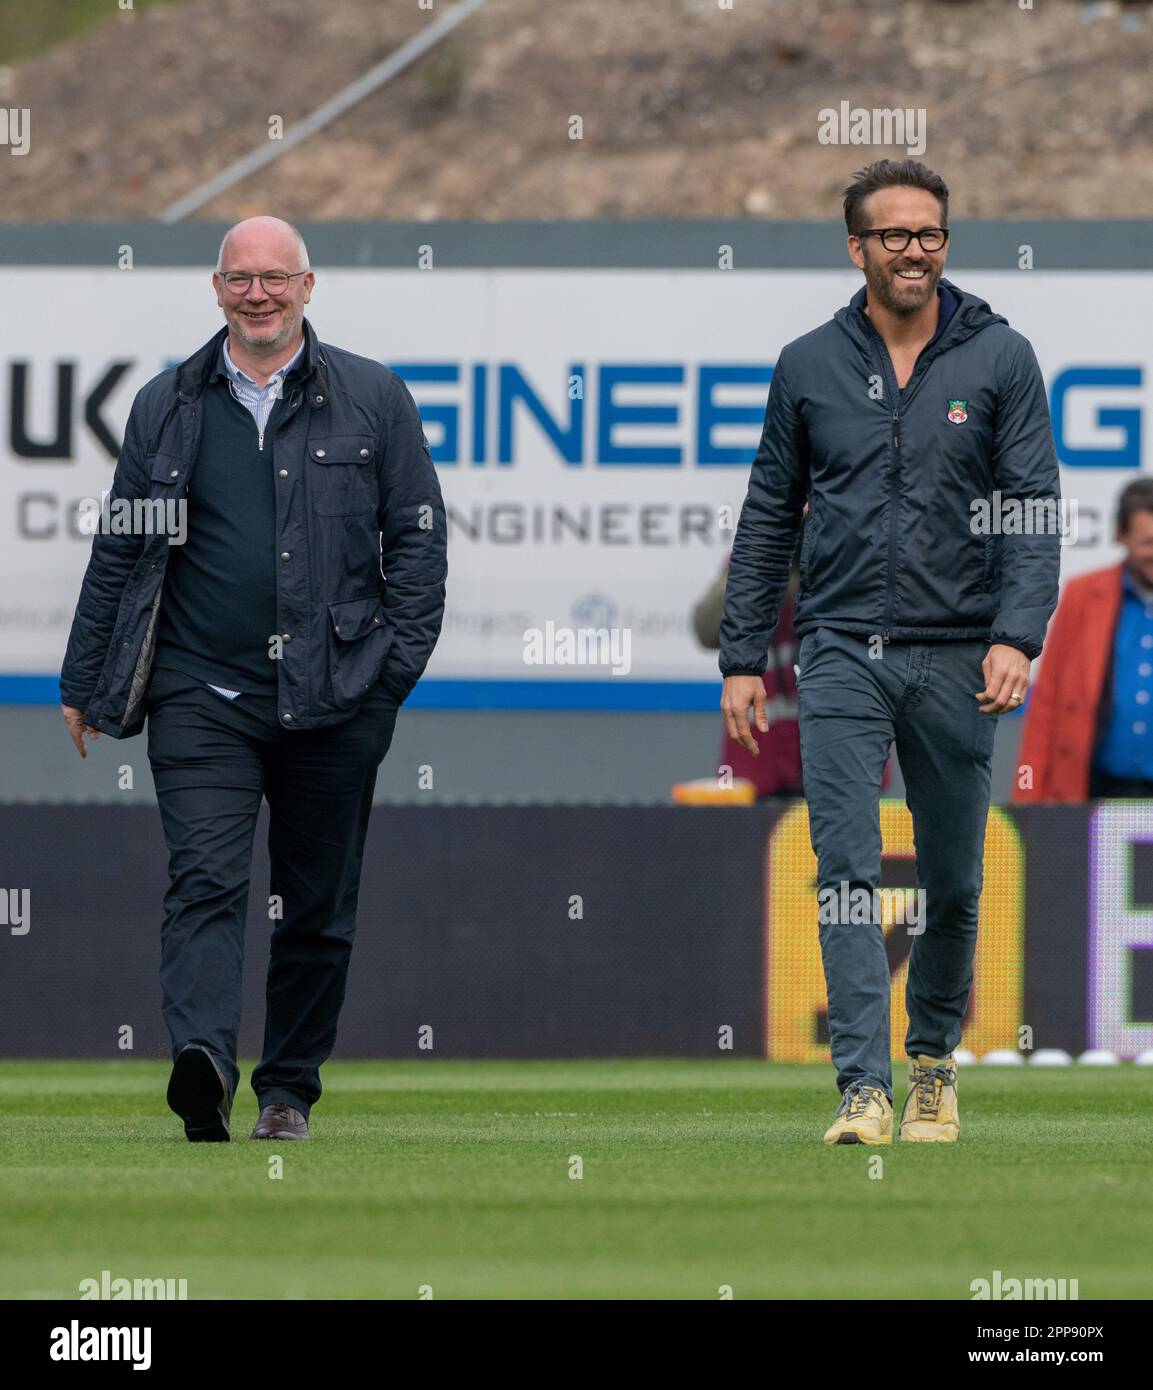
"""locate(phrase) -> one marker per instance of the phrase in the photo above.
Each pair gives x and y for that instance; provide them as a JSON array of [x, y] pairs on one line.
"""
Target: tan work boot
[[930, 1114], [865, 1116]]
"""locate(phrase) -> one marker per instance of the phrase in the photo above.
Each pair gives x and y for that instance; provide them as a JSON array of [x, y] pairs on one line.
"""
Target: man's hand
[[739, 693], [1006, 675], [77, 728]]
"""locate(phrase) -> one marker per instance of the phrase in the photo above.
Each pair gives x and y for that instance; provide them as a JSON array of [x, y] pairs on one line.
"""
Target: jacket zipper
[[895, 445], [895, 442], [894, 502]]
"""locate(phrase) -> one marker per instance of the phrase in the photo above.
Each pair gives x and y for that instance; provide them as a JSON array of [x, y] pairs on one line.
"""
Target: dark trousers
[[212, 761], [918, 695]]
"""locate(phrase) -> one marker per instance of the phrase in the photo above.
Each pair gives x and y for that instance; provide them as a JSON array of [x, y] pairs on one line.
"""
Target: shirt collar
[[235, 374], [1129, 585]]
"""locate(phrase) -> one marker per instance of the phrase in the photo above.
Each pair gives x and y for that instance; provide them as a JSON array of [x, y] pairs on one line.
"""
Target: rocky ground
[[689, 108]]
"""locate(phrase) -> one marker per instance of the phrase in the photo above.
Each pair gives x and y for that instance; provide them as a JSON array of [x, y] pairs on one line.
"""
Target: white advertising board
[[590, 429]]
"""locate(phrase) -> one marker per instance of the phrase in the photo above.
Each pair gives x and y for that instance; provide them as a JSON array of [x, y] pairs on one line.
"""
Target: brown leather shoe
[[280, 1122], [198, 1093]]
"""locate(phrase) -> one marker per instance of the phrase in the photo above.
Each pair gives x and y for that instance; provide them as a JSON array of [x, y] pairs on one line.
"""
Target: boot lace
[[855, 1102], [930, 1082]]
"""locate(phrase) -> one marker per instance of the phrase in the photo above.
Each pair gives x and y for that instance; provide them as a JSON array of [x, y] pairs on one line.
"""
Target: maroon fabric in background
[[777, 771]]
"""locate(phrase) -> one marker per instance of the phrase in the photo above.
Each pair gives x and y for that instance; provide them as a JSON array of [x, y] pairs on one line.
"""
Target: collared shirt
[[258, 400], [1126, 746]]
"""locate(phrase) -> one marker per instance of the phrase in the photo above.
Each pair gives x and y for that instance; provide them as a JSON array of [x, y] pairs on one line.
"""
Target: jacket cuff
[[75, 701], [1026, 648]]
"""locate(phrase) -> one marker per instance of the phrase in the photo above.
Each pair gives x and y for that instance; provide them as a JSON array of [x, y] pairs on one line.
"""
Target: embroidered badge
[[958, 412]]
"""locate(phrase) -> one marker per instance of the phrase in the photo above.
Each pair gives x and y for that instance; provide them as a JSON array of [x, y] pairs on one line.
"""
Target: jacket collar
[[194, 373], [972, 315]]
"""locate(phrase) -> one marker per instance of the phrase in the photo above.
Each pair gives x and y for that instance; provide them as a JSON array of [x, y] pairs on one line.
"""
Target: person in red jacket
[[1089, 721]]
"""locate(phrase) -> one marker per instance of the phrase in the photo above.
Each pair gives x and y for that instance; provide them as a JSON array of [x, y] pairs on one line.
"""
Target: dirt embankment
[[687, 109]]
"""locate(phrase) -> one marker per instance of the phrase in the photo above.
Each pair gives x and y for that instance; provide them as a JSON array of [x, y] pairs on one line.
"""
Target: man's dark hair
[[1136, 496], [891, 173]]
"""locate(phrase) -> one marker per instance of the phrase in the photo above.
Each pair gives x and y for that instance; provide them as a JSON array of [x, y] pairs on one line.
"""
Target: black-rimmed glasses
[[898, 238]]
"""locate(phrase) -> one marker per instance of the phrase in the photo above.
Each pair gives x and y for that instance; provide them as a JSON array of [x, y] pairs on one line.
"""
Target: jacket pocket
[[806, 650], [342, 474], [167, 469], [359, 639]]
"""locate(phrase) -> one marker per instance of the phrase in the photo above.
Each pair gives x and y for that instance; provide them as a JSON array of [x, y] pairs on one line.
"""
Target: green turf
[[455, 1175]]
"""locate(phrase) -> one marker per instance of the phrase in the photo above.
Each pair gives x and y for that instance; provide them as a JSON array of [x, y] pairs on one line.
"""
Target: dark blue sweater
[[218, 609]]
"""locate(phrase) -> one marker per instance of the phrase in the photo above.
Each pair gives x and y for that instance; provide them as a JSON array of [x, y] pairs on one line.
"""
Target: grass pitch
[[455, 1176]]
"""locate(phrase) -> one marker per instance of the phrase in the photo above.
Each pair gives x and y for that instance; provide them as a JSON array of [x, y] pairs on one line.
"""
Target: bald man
[[269, 653]]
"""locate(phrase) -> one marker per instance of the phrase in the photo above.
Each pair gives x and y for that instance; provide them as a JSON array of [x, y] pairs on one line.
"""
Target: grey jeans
[[853, 707]]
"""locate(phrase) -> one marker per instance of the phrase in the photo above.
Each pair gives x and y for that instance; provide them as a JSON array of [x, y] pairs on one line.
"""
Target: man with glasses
[[270, 653], [904, 424]]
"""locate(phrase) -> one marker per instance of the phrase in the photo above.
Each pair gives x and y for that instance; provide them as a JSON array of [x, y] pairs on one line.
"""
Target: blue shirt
[[257, 400], [1126, 746]]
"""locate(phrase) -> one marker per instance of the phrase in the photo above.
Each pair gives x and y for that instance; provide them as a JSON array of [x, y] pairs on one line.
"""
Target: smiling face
[[265, 323], [902, 282]]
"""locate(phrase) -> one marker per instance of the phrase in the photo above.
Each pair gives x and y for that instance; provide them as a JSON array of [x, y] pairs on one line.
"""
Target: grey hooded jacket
[[896, 485]]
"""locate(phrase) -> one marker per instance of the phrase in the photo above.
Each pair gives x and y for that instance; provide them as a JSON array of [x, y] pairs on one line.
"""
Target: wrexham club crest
[[958, 412]]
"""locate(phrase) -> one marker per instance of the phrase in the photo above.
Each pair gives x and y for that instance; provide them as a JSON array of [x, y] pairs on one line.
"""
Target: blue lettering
[[710, 415], [612, 414], [442, 413], [569, 443], [479, 412], [1125, 455]]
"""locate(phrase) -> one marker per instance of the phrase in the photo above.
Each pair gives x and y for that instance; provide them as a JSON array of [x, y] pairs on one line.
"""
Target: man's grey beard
[[289, 328]]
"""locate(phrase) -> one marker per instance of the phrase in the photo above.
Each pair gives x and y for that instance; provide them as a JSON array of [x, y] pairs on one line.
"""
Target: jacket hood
[[973, 314]]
